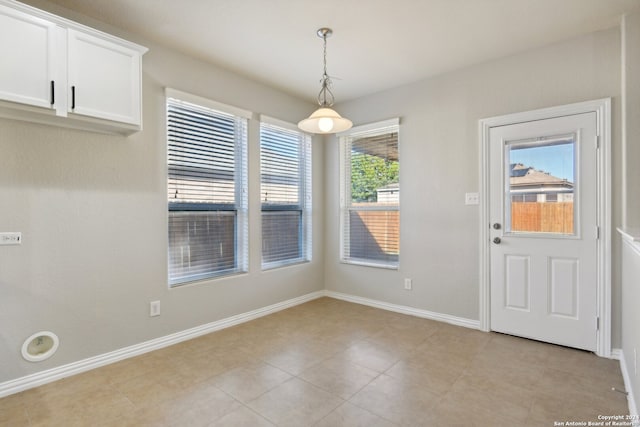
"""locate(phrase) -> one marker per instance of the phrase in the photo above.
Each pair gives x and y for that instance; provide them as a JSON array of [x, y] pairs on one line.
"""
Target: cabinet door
[[104, 78], [27, 58]]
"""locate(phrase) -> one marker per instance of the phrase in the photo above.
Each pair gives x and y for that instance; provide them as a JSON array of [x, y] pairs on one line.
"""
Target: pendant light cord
[[323, 100]]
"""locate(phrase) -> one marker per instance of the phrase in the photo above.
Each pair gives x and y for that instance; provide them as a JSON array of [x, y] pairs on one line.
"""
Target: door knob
[[497, 226], [497, 240]]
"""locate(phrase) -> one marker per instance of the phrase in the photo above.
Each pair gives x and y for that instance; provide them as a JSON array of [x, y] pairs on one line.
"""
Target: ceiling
[[376, 45]]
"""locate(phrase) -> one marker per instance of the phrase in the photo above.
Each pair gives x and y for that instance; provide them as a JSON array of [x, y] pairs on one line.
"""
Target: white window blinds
[[370, 196], [206, 185], [285, 193]]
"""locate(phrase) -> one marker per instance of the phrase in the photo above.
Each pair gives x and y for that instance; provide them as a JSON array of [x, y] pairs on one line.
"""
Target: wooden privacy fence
[[548, 217], [374, 233], [377, 232]]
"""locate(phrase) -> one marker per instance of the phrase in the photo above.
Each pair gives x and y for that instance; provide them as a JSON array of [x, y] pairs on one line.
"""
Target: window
[[207, 182], [370, 195], [285, 194], [540, 176]]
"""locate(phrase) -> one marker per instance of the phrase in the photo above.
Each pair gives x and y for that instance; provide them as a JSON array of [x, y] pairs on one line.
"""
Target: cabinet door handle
[[53, 92], [73, 97]]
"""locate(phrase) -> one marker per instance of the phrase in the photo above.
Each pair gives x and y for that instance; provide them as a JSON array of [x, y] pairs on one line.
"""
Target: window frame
[[304, 206], [239, 207], [346, 204]]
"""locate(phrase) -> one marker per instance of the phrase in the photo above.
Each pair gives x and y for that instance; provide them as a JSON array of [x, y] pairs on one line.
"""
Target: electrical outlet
[[154, 308], [12, 238], [407, 284]]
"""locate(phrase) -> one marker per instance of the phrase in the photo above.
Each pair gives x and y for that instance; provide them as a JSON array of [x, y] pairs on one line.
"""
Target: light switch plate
[[471, 199]]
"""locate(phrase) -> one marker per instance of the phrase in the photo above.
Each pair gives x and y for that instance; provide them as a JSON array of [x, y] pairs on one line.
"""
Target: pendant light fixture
[[325, 120]]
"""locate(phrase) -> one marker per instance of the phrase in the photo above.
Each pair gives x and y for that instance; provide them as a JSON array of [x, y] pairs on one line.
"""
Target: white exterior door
[[543, 212]]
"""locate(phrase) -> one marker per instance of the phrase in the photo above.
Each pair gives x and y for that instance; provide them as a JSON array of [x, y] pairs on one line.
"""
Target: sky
[[555, 159]]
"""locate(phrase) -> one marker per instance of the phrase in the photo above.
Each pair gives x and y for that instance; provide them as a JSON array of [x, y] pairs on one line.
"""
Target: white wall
[[439, 162], [631, 315], [92, 210]]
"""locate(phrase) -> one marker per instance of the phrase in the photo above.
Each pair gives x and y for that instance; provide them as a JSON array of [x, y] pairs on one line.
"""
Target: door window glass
[[540, 184]]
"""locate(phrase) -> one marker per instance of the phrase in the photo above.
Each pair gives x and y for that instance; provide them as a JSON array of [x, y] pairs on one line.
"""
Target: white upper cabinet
[[28, 58], [104, 78], [59, 72]]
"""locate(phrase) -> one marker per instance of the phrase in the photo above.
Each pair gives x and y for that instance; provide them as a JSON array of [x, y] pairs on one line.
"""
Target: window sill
[[276, 265], [366, 263], [207, 278]]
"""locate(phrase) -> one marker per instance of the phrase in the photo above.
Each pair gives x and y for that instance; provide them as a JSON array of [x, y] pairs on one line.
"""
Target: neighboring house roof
[[526, 176], [394, 186]]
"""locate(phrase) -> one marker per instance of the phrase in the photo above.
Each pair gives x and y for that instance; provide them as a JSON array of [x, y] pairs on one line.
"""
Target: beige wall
[[92, 210], [439, 163], [631, 251], [631, 129]]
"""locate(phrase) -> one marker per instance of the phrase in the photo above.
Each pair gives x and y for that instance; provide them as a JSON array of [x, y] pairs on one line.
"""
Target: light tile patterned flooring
[[333, 363]]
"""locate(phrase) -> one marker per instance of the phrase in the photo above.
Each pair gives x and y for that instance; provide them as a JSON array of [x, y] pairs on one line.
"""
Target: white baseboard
[[53, 374], [403, 309], [50, 375], [617, 353]]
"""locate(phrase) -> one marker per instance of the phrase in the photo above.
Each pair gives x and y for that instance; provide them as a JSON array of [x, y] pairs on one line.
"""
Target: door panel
[[517, 282], [563, 287], [543, 207]]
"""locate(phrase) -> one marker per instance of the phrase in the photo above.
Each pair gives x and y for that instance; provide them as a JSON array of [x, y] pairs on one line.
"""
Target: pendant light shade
[[325, 120]]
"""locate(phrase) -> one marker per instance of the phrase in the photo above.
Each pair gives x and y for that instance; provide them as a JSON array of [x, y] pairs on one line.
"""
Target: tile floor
[[333, 363]]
